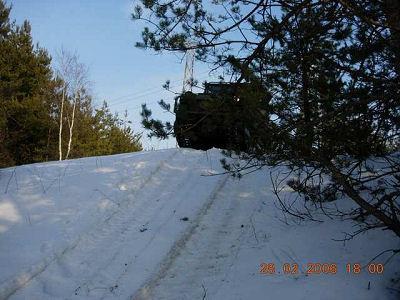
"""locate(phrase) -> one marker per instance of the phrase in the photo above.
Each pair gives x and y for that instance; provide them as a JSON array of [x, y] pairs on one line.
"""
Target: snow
[[155, 225]]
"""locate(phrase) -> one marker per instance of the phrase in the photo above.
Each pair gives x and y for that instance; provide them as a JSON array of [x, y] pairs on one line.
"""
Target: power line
[[144, 94], [155, 88], [133, 94]]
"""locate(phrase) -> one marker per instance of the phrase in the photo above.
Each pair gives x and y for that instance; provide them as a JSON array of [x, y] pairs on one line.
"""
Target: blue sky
[[104, 36]]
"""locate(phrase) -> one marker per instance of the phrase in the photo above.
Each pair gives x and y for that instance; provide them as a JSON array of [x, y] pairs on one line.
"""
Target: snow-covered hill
[[150, 225]]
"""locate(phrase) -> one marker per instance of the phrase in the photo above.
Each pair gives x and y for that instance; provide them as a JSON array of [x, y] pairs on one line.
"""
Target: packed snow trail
[[11, 286], [136, 236], [149, 226]]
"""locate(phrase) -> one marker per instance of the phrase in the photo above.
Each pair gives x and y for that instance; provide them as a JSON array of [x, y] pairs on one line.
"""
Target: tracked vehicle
[[224, 116]]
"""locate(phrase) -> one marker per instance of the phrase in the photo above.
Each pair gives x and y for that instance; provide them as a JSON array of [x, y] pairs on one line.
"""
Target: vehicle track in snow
[[151, 217], [127, 280], [180, 243], [209, 252], [10, 287], [78, 272]]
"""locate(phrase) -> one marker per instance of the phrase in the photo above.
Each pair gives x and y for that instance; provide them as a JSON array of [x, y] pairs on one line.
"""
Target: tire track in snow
[[13, 285], [174, 180], [143, 292], [211, 252], [130, 230]]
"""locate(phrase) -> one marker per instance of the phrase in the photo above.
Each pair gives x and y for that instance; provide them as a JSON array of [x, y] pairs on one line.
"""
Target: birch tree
[[75, 80]]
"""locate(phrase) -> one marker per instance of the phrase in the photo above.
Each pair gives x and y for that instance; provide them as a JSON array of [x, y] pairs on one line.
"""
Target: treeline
[[48, 114]]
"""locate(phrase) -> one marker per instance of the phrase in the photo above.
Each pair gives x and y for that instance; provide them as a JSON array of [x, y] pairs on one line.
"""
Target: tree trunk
[[48, 144], [61, 126], [391, 223], [71, 127]]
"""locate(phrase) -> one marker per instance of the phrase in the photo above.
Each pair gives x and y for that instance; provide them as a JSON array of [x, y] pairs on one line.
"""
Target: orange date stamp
[[320, 268]]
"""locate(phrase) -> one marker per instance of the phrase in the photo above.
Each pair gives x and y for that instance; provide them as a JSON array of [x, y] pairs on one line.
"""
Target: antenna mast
[[188, 75]]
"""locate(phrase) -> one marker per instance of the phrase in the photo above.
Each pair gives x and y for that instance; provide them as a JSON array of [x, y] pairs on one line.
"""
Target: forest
[[46, 110]]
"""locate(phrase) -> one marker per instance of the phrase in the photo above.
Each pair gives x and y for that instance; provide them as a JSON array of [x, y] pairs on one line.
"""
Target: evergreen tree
[[30, 110], [25, 86], [114, 134], [332, 68]]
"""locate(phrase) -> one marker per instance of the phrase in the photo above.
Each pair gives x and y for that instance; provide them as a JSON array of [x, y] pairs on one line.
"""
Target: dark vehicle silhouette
[[221, 117]]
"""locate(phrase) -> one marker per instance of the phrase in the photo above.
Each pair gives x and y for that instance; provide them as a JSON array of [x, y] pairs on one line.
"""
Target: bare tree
[[75, 79], [61, 125]]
